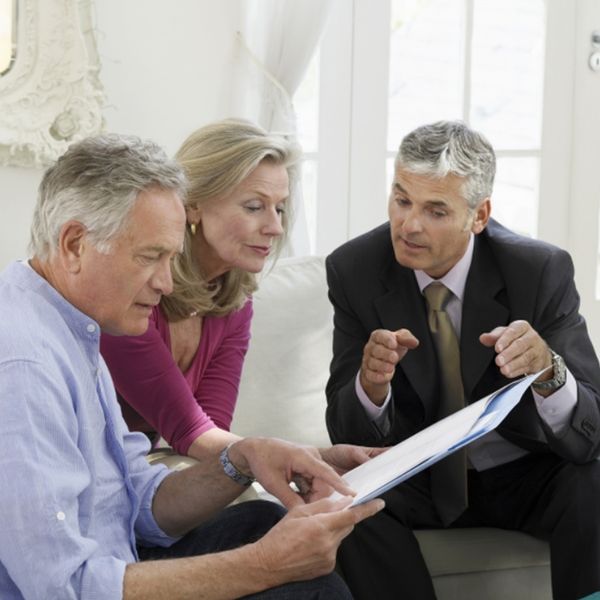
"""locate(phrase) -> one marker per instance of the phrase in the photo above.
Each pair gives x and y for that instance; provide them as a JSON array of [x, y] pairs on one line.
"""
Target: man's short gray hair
[[450, 147], [97, 182]]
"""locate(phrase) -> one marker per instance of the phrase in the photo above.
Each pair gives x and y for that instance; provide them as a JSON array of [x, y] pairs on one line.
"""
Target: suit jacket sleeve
[[560, 324], [347, 421]]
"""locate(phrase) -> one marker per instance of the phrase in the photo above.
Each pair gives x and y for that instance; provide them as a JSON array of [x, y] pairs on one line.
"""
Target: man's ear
[[482, 216], [71, 245]]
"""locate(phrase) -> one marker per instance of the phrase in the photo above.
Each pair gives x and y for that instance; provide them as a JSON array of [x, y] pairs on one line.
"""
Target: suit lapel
[[402, 307], [483, 310]]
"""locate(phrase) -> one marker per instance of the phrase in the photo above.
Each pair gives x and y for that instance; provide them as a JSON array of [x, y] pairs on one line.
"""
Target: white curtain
[[276, 42]]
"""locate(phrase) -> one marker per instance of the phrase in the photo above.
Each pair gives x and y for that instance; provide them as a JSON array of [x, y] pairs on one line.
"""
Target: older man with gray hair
[[80, 504], [436, 309]]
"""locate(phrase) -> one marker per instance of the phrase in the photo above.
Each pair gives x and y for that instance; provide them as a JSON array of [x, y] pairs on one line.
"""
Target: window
[[386, 68], [481, 62], [306, 104], [390, 65]]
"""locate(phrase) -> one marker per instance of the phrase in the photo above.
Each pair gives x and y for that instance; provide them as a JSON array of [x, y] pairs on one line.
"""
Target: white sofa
[[282, 395]]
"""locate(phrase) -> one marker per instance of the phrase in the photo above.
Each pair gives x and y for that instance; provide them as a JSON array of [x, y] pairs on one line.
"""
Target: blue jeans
[[242, 524]]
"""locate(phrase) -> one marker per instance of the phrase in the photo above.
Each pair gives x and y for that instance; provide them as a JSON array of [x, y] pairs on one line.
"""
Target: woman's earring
[[193, 228]]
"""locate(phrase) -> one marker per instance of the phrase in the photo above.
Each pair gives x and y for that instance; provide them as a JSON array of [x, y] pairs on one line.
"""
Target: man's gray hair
[[97, 182], [450, 147]]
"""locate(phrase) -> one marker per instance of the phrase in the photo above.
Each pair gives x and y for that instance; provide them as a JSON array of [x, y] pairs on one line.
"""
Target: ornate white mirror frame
[[52, 95]]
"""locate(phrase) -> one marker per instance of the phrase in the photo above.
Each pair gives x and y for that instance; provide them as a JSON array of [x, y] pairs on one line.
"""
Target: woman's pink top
[[157, 396]]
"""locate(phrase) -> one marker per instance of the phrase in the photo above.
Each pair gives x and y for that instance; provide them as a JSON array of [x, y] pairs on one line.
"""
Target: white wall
[[165, 68], [17, 199], [165, 65]]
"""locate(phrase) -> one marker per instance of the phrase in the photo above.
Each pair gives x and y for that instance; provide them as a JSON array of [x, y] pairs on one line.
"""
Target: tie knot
[[437, 296]]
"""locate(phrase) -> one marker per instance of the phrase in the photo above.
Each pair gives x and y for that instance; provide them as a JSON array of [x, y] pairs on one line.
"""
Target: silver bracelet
[[231, 470]]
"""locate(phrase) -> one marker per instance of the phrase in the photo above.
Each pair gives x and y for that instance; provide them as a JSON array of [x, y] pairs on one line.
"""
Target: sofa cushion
[[480, 549], [291, 304]]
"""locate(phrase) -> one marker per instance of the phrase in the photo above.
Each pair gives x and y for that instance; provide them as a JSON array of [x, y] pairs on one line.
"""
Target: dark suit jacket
[[511, 277]]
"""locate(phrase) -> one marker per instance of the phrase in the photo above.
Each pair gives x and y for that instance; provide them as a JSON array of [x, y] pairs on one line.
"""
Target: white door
[[582, 198]]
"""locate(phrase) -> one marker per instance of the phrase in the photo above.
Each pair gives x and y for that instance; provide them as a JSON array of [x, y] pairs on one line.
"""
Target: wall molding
[[52, 95]]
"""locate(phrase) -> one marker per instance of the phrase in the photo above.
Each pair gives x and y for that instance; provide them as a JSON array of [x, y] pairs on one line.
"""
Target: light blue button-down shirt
[[75, 488]]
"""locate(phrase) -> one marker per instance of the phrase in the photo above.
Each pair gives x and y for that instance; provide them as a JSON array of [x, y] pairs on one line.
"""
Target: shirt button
[[61, 516], [91, 328]]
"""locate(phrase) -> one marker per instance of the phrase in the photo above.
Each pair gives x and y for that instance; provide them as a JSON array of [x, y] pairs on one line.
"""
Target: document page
[[430, 445]]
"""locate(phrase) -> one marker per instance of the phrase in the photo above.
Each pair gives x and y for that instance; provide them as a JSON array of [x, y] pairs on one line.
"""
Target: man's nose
[[162, 281], [411, 222]]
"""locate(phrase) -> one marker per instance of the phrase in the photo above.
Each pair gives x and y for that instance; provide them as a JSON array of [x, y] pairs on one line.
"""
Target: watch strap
[[231, 470], [559, 378]]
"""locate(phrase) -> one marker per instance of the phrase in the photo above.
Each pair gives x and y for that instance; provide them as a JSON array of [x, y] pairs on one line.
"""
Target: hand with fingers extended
[[519, 350], [384, 350], [276, 463], [304, 543]]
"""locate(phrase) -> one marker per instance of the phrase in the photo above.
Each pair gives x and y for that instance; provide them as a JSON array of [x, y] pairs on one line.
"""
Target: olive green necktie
[[449, 476]]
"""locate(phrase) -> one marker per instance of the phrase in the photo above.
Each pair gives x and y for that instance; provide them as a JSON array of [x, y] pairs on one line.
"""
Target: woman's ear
[[193, 212], [71, 245], [482, 216]]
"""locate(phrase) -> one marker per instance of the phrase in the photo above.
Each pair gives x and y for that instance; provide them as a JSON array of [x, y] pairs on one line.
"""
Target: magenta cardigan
[[157, 396]]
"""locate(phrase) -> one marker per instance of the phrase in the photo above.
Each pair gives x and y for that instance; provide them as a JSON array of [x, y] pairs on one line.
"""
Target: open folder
[[432, 444]]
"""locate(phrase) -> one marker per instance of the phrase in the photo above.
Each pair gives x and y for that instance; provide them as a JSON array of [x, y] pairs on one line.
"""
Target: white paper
[[430, 445]]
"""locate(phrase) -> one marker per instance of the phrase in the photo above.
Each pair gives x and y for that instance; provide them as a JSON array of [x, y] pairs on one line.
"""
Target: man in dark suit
[[513, 309]]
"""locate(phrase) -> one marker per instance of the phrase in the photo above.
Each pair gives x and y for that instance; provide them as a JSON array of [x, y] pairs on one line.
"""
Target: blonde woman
[[180, 379]]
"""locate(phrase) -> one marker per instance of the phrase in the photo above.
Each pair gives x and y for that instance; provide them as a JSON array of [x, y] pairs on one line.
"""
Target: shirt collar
[[456, 278], [23, 274]]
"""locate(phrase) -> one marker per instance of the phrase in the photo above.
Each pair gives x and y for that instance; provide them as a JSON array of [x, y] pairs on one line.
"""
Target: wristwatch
[[560, 375], [231, 470]]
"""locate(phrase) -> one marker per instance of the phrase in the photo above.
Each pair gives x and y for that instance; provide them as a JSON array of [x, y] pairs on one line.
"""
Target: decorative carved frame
[[52, 95]]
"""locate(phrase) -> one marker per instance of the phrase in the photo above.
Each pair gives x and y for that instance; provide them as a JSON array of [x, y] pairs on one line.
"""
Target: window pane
[[309, 199], [515, 196], [306, 105], [508, 72], [7, 34], [426, 64]]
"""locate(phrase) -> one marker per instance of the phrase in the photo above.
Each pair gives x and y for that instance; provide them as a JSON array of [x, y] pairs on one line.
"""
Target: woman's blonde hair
[[216, 158]]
